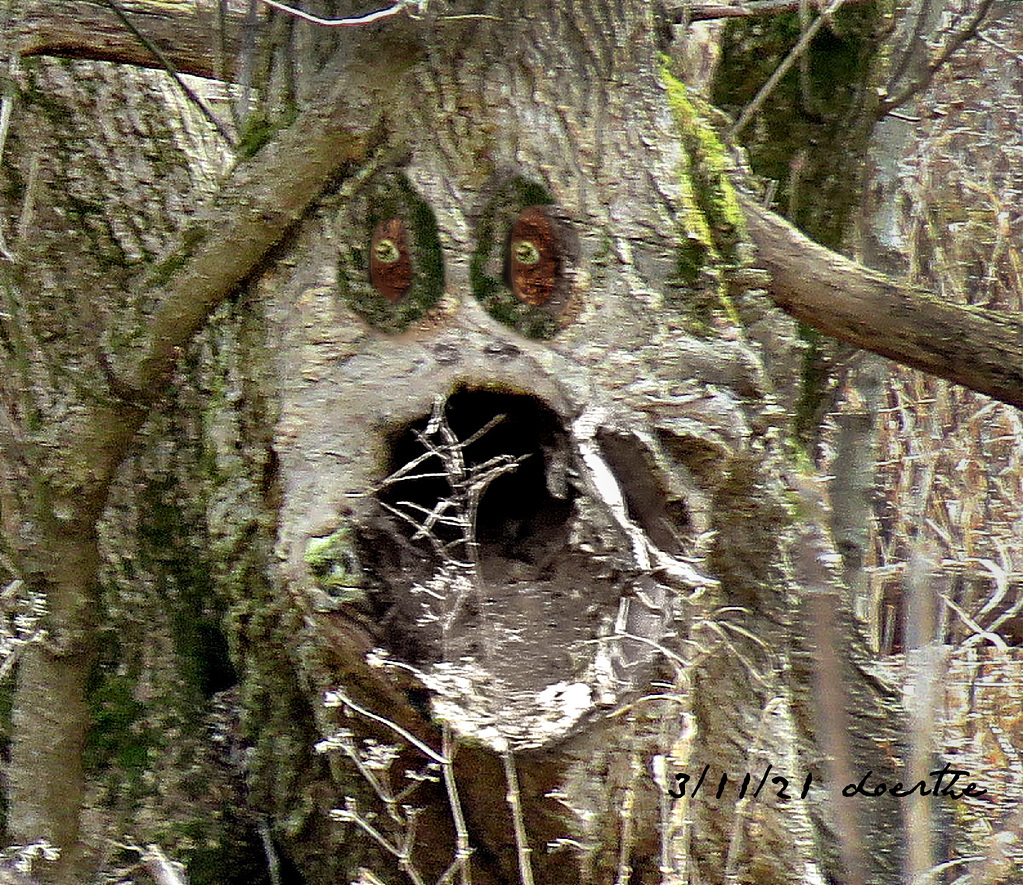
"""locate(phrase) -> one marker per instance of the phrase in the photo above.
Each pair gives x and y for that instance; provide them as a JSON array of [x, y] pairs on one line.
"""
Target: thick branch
[[980, 349], [253, 211], [188, 34]]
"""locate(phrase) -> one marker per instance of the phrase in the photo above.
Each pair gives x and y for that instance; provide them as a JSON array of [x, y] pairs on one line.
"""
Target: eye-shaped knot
[[390, 264], [525, 265], [525, 252], [534, 257], [386, 252]]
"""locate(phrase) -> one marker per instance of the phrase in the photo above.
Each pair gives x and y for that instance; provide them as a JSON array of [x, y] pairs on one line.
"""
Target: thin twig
[[462, 849], [439, 548], [402, 853], [409, 843], [163, 870], [344, 22], [468, 485], [636, 637], [337, 698], [167, 66], [6, 104], [780, 71], [378, 785], [986, 39], [490, 425], [958, 39], [627, 814], [741, 811], [349, 813], [979, 631], [28, 203], [273, 862], [709, 12], [512, 795]]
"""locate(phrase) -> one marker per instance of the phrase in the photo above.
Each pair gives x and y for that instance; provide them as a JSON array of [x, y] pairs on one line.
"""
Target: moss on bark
[[389, 195], [488, 265], [810, 137]]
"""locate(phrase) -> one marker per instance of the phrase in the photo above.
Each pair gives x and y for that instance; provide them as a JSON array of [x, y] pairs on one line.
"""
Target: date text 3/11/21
[[782, 783], [851, 790]]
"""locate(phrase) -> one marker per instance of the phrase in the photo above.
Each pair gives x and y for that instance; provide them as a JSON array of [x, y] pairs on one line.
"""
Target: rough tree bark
[[65, 431], [979, 349], [192, 37], [646, 535]]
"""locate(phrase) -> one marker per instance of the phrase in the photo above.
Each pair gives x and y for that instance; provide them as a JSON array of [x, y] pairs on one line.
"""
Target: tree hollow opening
[[521, 515]]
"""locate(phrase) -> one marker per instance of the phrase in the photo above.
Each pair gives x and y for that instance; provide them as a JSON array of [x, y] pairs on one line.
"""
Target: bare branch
[[1003, 49], [979, 631], [794, 54], [468, 484], [165, 63], [515, 805], [978, 348], [163, 870], [253, 211], [923, 81], [273, 862], [345, 22], [462, 850], [211, 40], [351, 814], [698, 12], [188, 33], [340, 699]]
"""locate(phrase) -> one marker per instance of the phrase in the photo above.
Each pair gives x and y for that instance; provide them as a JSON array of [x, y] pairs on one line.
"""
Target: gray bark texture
[[91, 203], [617, 582]]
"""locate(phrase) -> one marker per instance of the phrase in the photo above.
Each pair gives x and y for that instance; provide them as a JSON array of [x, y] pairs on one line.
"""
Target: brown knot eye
[[390, 265], [533, 256]]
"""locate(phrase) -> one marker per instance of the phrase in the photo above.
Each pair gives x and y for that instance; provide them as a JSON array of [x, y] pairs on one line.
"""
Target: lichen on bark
[[809, 138], [711, 224], [668, 443]]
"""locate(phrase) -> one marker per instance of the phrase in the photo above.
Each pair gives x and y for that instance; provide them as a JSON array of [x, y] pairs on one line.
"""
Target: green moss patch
[[810, 135], [333, 561], [709, 220], [708, 169], [389, 195], [488, 267]]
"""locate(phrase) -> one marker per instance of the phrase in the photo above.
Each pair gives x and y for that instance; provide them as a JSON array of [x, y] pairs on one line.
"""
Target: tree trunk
[[636, 388], [84, 223], [872, 311], [480, 221]]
